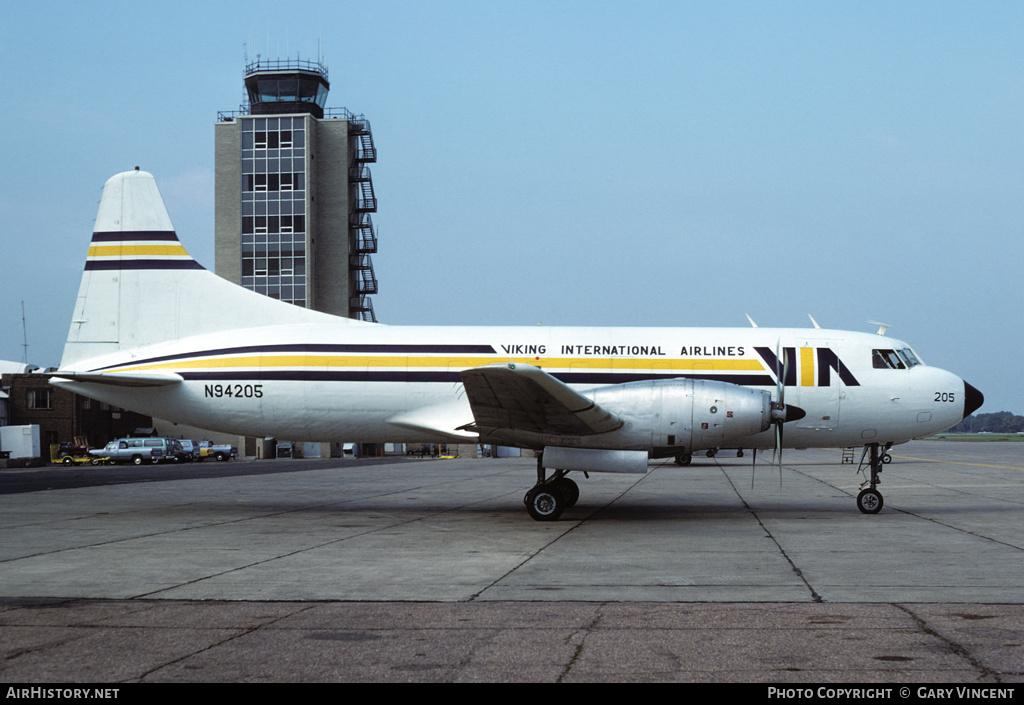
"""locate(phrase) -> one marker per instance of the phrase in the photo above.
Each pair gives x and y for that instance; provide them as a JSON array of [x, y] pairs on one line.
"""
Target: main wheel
[[569, 489], [545, 503], [869, 501], [683, 459]]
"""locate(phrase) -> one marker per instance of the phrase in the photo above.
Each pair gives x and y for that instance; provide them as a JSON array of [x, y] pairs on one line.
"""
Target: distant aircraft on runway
[[155, 332]]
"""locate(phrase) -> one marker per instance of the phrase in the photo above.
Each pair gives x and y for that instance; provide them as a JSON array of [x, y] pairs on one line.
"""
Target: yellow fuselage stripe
[[350, 361]]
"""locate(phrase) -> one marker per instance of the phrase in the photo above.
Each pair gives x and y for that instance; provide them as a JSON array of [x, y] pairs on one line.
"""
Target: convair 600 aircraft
[[155, 332]]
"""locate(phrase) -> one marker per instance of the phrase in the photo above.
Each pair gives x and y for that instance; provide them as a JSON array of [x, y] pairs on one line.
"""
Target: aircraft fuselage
[[402, 383]]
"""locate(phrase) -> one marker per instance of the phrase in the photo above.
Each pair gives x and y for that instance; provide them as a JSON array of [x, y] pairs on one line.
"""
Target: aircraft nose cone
[[973, 399]]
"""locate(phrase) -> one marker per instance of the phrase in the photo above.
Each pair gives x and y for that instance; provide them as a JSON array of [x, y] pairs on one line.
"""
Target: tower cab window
[[894, 359]]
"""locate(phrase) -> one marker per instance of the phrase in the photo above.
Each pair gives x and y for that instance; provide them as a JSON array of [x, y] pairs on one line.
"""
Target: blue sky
[[570, 163]]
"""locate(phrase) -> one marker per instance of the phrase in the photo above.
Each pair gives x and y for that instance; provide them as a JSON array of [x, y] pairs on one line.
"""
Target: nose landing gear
[[870, 501]]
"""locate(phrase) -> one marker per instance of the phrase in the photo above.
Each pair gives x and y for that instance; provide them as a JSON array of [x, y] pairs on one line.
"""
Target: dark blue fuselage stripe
[[118, 263], [449, 377], [136, 235]]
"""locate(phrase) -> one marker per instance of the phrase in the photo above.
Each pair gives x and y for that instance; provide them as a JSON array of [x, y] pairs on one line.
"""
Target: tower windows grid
[[273, 207]]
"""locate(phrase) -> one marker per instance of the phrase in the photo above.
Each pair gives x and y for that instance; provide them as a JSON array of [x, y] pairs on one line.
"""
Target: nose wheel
[[870, 501]]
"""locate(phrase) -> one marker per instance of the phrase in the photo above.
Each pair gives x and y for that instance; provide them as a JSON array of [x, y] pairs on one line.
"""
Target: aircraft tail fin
[[141, 287]]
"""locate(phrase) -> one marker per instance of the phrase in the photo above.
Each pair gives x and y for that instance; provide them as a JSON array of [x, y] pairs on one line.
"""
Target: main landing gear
[[551, 495], [870, 501]]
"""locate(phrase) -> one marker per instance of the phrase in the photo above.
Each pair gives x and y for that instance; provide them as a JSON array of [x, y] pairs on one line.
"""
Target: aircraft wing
[[525, 398]]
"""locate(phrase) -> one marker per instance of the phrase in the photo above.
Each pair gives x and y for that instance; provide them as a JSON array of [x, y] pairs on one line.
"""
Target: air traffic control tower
[[294, 193]]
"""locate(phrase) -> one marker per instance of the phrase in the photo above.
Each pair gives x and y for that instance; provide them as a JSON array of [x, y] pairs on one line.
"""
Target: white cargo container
[[21, 442]]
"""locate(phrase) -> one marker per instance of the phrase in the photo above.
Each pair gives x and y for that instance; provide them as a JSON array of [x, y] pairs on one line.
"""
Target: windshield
[[902, 359]]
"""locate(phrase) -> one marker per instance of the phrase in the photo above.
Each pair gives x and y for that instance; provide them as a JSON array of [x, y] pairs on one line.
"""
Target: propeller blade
[[785, 376], [780, 387], [778, 444], [780, 412]]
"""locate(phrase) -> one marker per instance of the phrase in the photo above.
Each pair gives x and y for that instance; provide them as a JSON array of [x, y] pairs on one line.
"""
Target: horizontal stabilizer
[[526, 398], [123, 379]]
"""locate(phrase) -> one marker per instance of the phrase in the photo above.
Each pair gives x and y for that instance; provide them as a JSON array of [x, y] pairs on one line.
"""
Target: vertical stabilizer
[[141, 287]]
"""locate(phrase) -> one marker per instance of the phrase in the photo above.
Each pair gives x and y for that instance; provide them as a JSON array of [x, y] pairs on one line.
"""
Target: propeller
[[781, 413]]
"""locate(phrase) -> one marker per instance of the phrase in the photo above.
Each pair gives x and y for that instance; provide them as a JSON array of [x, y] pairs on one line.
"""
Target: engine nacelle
[[658, 418], [684, 415]]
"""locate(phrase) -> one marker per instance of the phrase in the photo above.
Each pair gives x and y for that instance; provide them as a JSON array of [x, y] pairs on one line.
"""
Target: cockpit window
[[902, 359], [886, 360]]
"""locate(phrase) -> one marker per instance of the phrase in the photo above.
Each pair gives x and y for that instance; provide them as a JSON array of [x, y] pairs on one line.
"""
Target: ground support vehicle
[[59, 453]]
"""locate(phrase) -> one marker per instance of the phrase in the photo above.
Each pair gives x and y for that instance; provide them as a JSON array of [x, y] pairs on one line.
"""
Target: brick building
[[62, 415]]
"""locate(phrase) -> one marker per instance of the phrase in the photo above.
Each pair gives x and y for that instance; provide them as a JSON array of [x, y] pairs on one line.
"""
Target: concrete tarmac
[[431, 570]]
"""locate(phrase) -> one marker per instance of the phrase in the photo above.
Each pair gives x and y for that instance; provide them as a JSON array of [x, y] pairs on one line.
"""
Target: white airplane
[[155, 332]]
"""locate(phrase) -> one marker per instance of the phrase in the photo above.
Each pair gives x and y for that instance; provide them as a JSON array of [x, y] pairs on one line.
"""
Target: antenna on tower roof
[[24, 334]]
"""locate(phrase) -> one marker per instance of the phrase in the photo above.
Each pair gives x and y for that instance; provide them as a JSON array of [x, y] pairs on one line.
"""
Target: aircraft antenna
[[813, 321], [754, 325], [882, 327]]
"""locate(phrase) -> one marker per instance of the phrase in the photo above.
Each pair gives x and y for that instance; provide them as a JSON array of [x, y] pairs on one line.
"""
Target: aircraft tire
[[886, 458], [870, 501], [545, 503], [683, 459], [569, 489]]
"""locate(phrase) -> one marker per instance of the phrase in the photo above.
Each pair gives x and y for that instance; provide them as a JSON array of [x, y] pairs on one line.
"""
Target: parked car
[[190, 447], [177, 451], [135, 450]]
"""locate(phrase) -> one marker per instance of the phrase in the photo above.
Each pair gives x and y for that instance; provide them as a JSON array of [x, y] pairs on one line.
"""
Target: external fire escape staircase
[[362, 237]]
